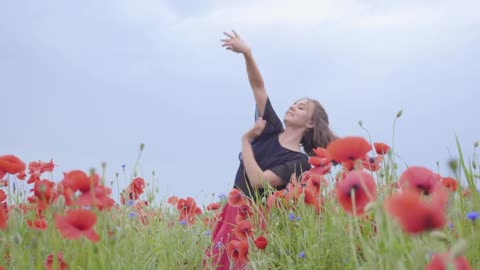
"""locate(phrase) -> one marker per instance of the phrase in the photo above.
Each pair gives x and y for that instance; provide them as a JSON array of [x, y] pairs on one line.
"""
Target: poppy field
[[355, 209]]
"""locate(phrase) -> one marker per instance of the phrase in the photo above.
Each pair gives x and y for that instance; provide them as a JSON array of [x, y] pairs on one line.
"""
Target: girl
[[271, 153]]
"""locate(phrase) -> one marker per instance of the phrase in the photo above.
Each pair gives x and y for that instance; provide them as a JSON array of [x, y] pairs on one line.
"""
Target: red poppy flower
[[3, 218], [37, 224], [322, 152], [44, 191], [11, 164], [173, 200], [135, 189], [440, 261], [78, 180], [243, 230], [381, 148], [261, 242], [314, 180], [243, 212], [322, 160], [416, 215], [98, 197], [3, 196], [188, 210], [276, 199], [372, 164], [363, 187], [238, 251], [40, 167], [448, 182], [58, 261], [236, 198], [213, 206], [77, 223], [419, 179], [348, 149], [313, 198]]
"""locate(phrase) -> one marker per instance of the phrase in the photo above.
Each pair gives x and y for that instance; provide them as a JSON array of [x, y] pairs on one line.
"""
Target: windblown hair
[[320, 135]]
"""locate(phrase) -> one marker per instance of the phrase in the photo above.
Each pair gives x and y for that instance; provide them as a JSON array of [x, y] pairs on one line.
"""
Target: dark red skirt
[[221, 235]]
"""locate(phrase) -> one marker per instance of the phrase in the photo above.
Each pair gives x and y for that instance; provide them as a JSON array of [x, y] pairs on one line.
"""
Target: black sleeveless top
[[271, 155]]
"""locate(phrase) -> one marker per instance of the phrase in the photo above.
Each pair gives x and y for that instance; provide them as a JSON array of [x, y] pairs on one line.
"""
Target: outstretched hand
[[234, 43], [256, 130]]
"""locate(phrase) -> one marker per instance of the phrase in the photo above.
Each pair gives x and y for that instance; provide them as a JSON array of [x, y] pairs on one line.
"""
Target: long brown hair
[[320, 134]]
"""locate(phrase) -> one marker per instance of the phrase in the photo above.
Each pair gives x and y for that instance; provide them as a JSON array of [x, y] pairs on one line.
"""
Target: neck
[[291, 137]]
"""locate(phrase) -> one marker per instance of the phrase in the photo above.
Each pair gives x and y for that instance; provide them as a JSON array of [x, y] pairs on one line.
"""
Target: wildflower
[[130, 202], [372, 163], [222, 196], [40, 167], [450, 183], [98, 197], [238, 250], [243, 229], [416, 215], [261, 242], [11, 164], [79, 181], [381, 148], [173, 200], [363, 187], [3, 218], [443, 261], [77, 223], [473, 215], [418, 178], [348, 149], [301, 254], [183, 222], [132, 215], [243, 212], [236, 198], [58, 261], [188, 209], [207, 233], [291, 216], [213, 206], [37, 224], [3, 195]]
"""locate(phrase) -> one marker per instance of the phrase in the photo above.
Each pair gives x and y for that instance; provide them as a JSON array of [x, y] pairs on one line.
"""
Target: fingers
[[227, 34], [235, 33]]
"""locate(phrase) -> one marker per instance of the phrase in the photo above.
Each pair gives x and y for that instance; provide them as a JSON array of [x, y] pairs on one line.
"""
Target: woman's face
[[300, 114]]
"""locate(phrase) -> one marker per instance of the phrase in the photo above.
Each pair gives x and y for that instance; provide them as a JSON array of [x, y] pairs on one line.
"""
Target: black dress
[[271, 155]]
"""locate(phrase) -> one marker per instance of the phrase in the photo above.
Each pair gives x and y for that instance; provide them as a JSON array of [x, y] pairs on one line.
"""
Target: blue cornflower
[[301, 254], [473, 215], [291, 216], [207, 232], [222, 196], [183, 222], [132, 214], [219, 244], [130, 203], [123, 166]]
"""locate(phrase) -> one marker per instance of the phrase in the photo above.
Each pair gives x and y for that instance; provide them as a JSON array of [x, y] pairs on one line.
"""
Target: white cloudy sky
[[87, 81]]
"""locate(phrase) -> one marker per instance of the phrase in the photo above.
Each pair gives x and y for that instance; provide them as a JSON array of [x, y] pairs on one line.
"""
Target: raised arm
[[236, 44]]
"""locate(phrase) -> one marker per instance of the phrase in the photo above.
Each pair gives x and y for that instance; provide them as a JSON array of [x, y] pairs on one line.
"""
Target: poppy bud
[[399, 113], [459, 248], [360, 123], [440, 236], [370, 207]]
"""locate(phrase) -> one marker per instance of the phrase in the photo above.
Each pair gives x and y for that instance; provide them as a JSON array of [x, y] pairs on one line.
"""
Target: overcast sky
[[87, 81]]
